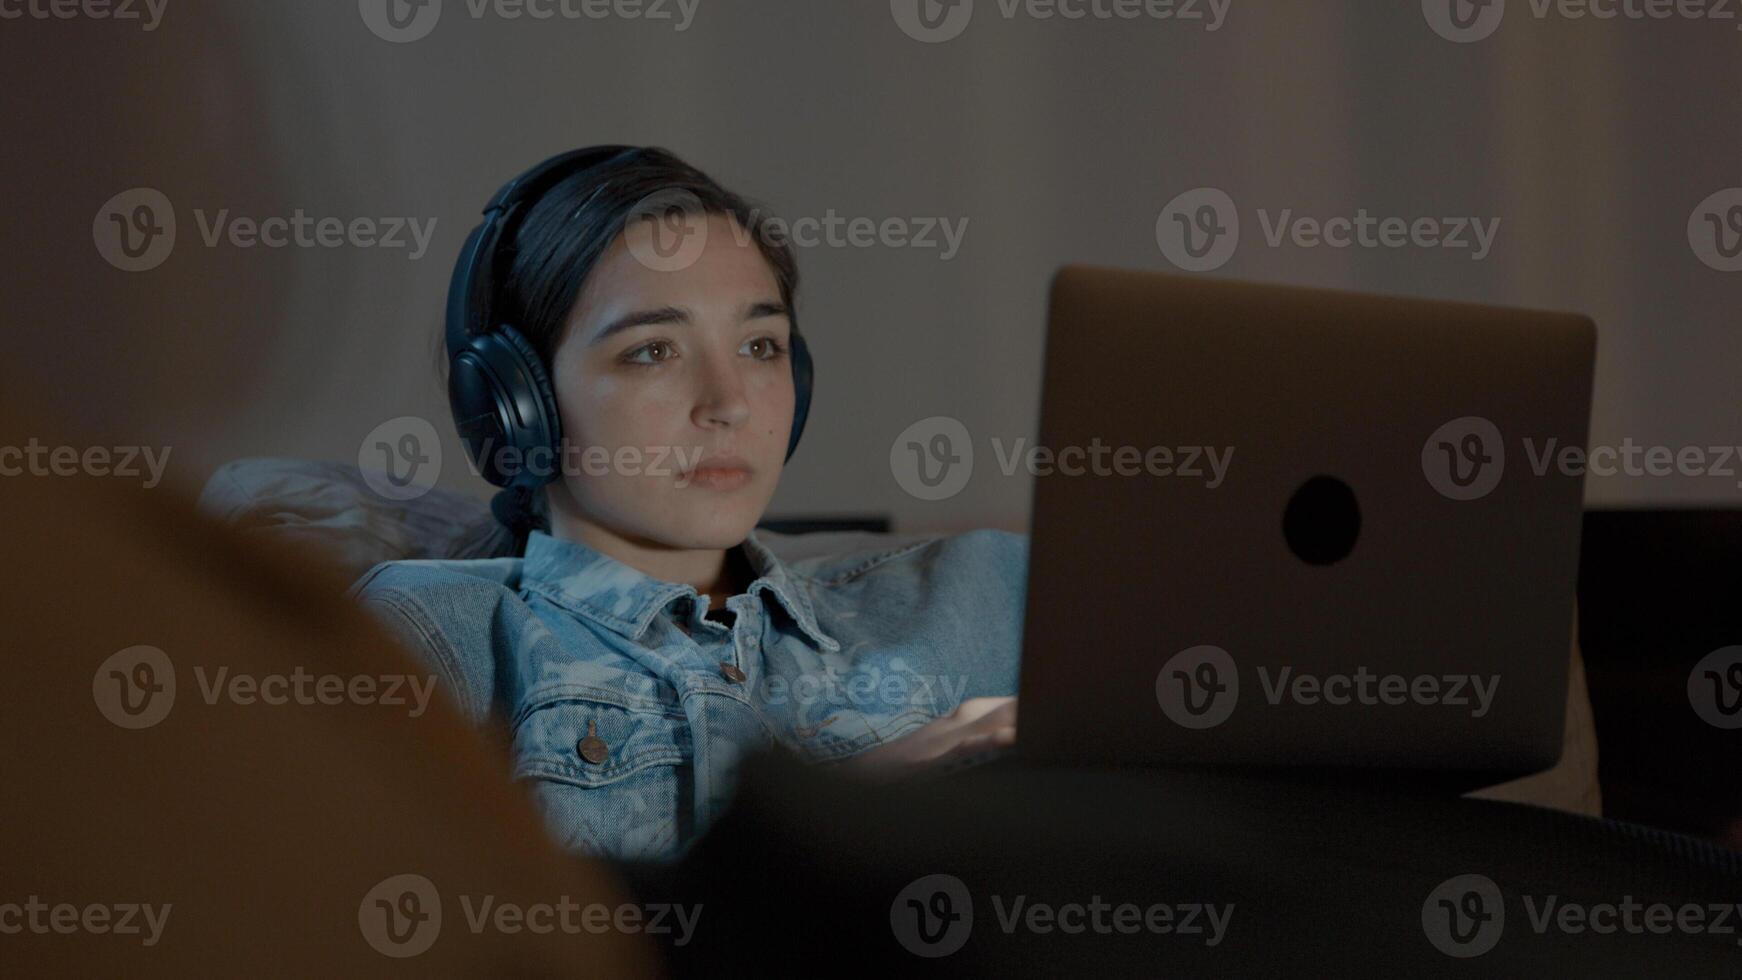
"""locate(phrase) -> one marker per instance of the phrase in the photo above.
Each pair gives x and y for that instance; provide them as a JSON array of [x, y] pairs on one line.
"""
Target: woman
[[639, 410]]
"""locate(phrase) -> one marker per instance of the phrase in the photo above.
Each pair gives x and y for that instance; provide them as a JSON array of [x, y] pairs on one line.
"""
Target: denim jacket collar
[[625, 600]]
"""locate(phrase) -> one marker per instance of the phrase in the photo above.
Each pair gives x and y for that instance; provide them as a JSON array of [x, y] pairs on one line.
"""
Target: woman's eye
[[650, 353], [764, 348]]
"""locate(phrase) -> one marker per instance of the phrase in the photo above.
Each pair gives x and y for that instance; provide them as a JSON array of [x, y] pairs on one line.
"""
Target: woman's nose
[[721, 400]]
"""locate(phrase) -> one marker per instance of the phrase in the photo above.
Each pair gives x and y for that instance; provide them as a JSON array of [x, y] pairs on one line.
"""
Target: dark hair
[[568, 229]]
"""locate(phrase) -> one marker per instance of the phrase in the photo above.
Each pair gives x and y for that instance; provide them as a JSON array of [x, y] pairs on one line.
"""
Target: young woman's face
[[675, 390]]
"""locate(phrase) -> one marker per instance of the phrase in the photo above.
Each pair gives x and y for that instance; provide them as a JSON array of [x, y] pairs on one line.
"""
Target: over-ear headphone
[[501, 396]]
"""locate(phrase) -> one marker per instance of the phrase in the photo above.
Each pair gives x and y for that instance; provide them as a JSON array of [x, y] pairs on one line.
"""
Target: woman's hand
[[977, 724]]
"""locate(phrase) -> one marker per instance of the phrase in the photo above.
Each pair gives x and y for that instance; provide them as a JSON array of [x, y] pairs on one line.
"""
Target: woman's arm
[[976, 725]]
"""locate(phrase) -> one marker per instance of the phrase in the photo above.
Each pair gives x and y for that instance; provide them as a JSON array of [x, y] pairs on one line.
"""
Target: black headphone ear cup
[[802, 382], [506, 411], [540, 381]]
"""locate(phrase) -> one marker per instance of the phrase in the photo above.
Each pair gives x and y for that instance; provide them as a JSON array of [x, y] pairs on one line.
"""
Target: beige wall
[[1057, 141]]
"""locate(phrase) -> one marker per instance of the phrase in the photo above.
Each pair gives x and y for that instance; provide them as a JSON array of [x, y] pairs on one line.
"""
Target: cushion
[[329, 507]]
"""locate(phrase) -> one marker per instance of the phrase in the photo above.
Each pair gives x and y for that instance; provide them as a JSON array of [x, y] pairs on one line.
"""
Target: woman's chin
[[710, 527]]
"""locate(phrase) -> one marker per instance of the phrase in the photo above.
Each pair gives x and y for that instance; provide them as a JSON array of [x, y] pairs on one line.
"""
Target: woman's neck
[[715, 573]]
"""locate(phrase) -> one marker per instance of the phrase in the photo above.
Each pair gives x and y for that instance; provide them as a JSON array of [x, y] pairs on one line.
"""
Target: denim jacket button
[[593, 748], [731, 672]]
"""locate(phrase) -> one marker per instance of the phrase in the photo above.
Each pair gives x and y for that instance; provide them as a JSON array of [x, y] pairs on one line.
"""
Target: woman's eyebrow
[[766, 308], [679, 315], [641, 318]]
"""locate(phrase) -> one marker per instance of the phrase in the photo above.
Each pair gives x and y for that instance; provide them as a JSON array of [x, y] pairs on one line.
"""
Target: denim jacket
[[629, 707]]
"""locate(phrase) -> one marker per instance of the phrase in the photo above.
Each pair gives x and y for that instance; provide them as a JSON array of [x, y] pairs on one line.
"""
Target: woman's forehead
[[728, 276]]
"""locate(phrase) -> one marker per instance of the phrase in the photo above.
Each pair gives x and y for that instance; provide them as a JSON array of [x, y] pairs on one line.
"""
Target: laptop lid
[[1277, 526]]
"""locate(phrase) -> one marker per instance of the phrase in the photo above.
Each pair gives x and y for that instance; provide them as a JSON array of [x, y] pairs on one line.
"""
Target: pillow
[[329, 507]]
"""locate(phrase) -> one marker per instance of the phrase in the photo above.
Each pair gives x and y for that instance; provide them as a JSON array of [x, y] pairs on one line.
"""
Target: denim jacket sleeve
[[445, 618]]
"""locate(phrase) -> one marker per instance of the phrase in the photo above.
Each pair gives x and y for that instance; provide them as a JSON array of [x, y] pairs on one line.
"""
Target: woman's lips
[[721, 474]]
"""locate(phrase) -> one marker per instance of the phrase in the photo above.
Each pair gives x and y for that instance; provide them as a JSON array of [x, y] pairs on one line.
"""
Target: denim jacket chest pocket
[[612, 775]]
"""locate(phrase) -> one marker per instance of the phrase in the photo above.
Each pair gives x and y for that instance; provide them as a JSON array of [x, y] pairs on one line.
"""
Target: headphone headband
[[472, 293]]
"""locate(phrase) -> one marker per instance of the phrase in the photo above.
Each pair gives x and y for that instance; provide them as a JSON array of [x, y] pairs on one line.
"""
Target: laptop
[[1277, 527]]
